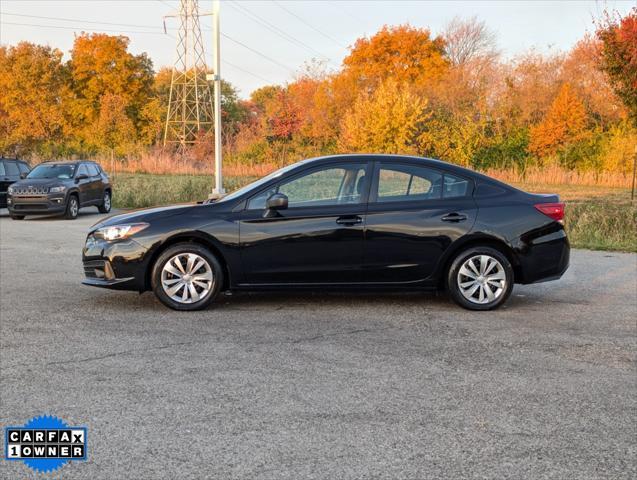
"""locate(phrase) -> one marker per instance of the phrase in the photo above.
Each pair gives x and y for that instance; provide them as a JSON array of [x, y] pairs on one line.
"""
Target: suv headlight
[[118, 232], [57, 189], [10, 190]]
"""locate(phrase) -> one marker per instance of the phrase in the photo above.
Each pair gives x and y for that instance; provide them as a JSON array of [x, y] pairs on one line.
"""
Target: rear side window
[[401, 182], [24, 168], [454, 186], [11, 169], [92, 170]]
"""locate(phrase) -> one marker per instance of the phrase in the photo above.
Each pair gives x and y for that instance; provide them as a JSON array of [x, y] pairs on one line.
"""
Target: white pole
[[218, 191]]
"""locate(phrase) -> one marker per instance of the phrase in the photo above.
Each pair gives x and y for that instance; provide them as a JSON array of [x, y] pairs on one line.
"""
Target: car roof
[[66, 162]]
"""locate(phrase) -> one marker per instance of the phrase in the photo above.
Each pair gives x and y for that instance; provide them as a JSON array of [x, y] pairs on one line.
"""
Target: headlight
[[10, 190], [56, 189], [118, 232]]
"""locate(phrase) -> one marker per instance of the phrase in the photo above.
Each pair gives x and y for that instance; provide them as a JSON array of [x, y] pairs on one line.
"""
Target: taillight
[[553, 210]]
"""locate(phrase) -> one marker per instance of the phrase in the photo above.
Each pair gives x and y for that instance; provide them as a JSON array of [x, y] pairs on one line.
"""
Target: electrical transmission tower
[[190, 109]]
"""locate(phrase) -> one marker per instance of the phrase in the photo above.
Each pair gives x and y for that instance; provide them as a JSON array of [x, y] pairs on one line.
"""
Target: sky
[[266, 42]]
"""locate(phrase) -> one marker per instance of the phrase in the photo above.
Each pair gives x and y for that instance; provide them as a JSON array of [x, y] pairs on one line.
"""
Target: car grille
[[30, 206], [30, 190]]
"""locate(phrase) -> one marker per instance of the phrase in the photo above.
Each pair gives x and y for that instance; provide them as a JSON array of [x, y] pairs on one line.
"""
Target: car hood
[[40, 182], [145, 215]]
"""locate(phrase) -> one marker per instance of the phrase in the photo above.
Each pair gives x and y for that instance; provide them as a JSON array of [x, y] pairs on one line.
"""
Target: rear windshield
[[52, 170]]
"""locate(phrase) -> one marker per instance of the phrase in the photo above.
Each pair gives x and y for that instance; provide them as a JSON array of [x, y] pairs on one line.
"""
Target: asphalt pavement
[[295, 386]]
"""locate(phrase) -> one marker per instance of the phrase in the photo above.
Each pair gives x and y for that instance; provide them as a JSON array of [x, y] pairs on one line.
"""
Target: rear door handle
[[350, 220], [454, 217]]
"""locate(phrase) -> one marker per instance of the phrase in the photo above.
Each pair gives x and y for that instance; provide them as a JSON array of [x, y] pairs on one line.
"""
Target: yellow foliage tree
[[564, 123], [385, 121]]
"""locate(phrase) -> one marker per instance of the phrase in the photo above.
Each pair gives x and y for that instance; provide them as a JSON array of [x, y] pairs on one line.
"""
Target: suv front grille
[[30, 190]]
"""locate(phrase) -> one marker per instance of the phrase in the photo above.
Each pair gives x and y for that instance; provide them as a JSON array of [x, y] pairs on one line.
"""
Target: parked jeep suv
[[60, 188], [11, 170]]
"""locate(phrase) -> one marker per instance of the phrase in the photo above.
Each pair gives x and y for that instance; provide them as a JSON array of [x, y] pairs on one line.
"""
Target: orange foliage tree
[[564, 123]]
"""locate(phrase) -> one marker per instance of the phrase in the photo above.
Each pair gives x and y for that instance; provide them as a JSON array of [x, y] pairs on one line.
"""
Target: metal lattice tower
[[190, 103]]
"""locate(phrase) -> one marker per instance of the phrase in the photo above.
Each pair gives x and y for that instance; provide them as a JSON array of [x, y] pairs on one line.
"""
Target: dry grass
[[556, 175], [163, 163]]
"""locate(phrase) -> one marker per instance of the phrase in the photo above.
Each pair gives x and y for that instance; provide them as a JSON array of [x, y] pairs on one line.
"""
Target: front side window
[[92, 170], [402, 182], [24, 168], [2, 169], [62, 171], [82, 170], [331, 185]]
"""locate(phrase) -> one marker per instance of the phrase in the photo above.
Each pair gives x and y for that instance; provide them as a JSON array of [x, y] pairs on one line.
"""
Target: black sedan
[[346, 221]]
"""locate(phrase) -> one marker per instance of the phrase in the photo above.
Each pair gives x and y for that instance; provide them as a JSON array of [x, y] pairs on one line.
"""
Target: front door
[[318, 238], [415, 212], [84, 185]]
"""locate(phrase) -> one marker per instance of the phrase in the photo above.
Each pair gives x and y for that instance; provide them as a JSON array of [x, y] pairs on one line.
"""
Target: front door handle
[[454, 217], [349, 220]]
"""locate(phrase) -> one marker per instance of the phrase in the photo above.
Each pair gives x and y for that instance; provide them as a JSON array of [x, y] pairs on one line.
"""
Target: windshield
[[52, 171], [255, 185]]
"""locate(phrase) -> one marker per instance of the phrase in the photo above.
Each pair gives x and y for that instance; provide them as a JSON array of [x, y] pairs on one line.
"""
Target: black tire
[[16, 217], [105, 207], [184, 249], [503, 269], [72, 207]]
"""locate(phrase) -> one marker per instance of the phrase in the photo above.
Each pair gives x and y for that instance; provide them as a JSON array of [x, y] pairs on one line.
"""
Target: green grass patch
[[597, 218]]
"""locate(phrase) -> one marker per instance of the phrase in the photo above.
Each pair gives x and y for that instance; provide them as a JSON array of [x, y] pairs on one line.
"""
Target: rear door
[[415, 213]]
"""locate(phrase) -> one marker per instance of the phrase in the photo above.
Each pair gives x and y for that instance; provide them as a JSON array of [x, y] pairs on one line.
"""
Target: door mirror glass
[[278, 201]]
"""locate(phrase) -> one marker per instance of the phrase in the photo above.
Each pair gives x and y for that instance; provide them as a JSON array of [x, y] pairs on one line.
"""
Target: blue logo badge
[[45, 443]]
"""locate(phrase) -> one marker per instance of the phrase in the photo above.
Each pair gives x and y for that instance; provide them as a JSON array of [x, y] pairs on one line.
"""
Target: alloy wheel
[[482, 279], [73, 207], [187, 278], [107, 201]]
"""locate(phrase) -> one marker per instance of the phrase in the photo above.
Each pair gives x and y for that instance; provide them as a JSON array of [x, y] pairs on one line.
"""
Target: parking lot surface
[[292, 386]]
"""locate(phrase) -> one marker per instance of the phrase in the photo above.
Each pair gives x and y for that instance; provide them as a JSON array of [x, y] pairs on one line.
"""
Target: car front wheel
[[187, 276], [480, 278], [72, 208]]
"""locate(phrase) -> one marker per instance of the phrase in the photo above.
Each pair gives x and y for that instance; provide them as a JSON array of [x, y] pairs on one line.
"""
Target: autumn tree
[[114, 131], [564, 123], [34, 96], [469, 40], [101, 64], [385, 121], [619, 56]]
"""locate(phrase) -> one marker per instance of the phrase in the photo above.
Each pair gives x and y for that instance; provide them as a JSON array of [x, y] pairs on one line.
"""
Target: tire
[[166, 276], [72, 207], [16, 217], [471, 288], [105, 207]]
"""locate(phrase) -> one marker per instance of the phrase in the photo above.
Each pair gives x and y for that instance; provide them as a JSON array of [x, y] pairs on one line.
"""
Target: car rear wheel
[[72, 208], [480, 278], [105, 207], [187, 276]]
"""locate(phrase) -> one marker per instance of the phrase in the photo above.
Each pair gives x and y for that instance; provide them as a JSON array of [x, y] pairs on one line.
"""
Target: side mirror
[[80, 177], [277, 201], [23, 175]]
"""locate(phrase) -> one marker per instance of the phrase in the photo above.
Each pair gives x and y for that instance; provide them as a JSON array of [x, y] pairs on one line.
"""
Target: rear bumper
[[543, 255], [37, 205]]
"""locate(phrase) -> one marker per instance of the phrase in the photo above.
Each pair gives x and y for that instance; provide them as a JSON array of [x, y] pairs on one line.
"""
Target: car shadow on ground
[[4, 213]]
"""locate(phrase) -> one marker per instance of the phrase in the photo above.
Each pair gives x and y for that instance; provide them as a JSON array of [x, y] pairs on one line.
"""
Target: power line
[[309, 25], [76, 28], [78, 21], [257, 52], [273, 28]]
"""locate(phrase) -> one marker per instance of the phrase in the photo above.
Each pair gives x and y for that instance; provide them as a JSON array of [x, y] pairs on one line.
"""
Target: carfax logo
[[45, 443]]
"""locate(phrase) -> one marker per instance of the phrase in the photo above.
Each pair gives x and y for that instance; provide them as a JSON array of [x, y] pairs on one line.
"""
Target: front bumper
[[119, 265], [46, 204]]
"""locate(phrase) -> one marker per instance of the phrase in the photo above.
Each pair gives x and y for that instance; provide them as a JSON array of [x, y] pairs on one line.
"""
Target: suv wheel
[[480, 278], [105, 207], [72, 208], [187, 276]]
